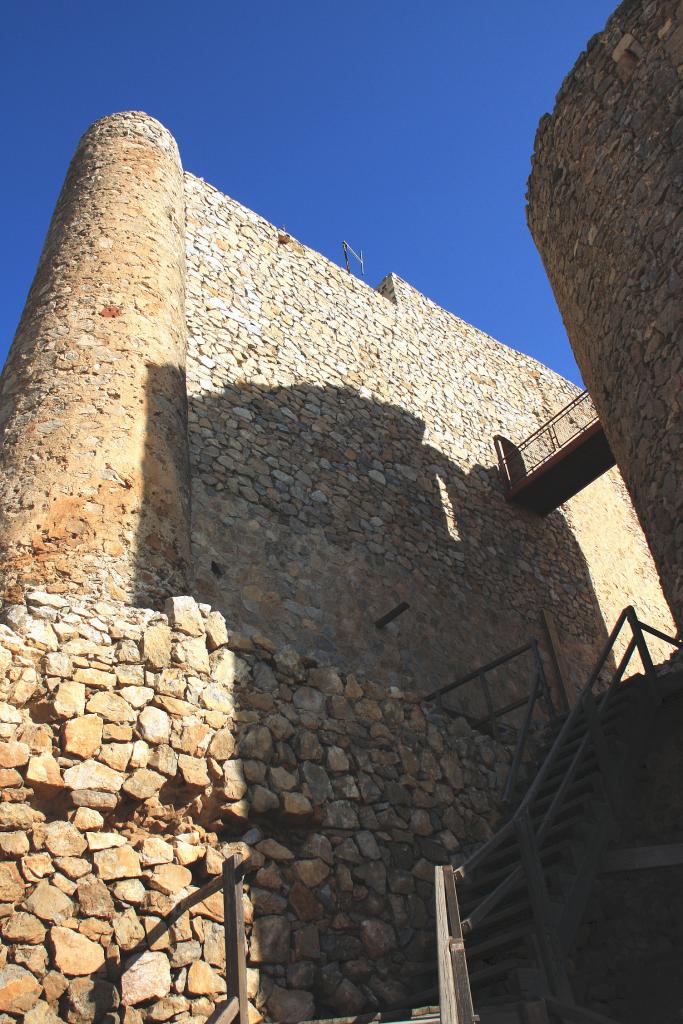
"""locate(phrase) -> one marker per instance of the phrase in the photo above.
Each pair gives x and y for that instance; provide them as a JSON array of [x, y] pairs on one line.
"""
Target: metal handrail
[[518, 461], [523, 812], [538, 690]]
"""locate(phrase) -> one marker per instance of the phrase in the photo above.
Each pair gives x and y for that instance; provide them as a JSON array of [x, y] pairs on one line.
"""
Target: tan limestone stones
[[75, 954], [11, 883], [154, 725], [83, 735], [146, 977], [23, 927], [49, 903], [70, 699], [203, 980], [184, 615], [113, 269], [19, 990], [92, 774], [99, 868], [63, 839], [43, 770], [13, 755], [117, 862], [156, 646]]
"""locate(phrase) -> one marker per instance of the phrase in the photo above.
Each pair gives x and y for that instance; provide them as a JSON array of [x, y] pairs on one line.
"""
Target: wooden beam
[[447, 997], [558, 659], [235, 942], [225, 1013], [638, 857]]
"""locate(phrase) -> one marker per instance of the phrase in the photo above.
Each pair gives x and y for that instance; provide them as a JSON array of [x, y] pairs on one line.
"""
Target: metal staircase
[[507, 918]]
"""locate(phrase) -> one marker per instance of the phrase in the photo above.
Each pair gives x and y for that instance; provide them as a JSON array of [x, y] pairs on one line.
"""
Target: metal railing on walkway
[[519, 461]]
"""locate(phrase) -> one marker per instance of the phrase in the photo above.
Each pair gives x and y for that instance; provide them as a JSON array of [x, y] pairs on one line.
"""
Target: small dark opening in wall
[[217, 570]]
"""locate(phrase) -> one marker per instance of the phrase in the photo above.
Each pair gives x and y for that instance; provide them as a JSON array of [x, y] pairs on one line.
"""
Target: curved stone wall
[[93, 467], [605, 212]]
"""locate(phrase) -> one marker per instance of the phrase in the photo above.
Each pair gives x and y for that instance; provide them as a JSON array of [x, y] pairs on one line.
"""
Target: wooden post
[[233, 925], [463, 994], [645, 656], [541, 680], [557, 654], [447, 998]]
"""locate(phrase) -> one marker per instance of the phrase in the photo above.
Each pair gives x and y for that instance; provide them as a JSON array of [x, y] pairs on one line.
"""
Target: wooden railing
[[455, 998], [230, 881]]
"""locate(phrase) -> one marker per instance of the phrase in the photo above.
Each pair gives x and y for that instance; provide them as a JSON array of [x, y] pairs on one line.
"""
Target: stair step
[[510, 912], [587, 765], [576, 896], [577, 814], [582, 814], [581, 791], [500, 970], [487, 946], [489, 880]]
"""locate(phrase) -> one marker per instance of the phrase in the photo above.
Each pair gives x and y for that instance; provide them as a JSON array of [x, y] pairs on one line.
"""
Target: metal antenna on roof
[[359, 256]]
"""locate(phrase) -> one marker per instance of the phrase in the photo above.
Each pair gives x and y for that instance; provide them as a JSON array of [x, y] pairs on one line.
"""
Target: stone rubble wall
[[94, 488], [605, 212], [137, 749], [341, 443]]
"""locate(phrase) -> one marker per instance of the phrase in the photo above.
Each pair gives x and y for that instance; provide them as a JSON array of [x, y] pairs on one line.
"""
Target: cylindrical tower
[[605, 212], [94, 478]]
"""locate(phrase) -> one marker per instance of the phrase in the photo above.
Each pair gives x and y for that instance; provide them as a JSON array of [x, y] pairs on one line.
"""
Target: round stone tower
[[605, 212], [94, 478]]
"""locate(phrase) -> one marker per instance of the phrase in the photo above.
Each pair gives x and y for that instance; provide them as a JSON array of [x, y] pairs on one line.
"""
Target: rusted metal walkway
[[557, 461]]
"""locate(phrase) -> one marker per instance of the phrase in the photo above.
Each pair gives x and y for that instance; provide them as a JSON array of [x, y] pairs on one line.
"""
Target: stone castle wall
[[605, 212], [338, 444], [139, 748], [342, 457], [94, 471]]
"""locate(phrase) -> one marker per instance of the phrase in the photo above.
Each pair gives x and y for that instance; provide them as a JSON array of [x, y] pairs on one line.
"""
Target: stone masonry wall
[[93, 467], [139, 748], [605, 212], [342, 461]]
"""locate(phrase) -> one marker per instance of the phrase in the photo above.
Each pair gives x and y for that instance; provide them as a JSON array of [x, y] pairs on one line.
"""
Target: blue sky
[[406, 129]]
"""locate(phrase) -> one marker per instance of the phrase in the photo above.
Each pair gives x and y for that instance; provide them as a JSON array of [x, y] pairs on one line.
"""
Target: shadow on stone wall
[[629, 950], [163, 543], [317, 510]]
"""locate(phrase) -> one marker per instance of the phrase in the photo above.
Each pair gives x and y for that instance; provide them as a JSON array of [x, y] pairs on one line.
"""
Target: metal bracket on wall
[[393, 614]]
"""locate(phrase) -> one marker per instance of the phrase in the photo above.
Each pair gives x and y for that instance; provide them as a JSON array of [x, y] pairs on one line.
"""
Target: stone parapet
[[605, 212], [94, 482]]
